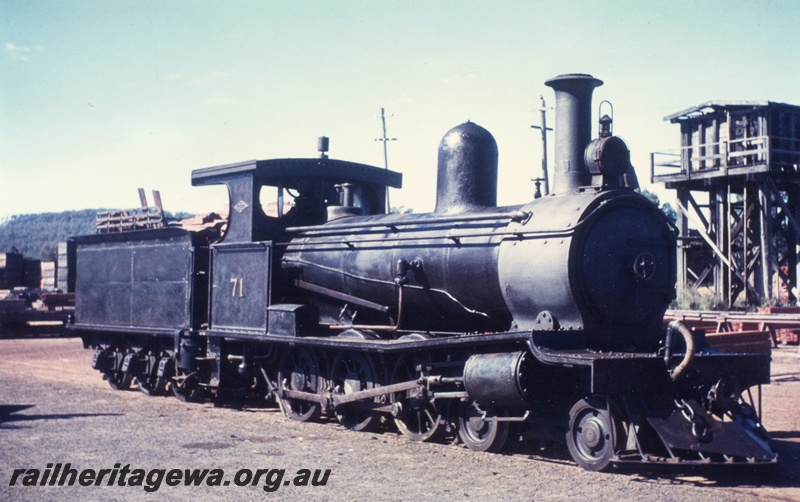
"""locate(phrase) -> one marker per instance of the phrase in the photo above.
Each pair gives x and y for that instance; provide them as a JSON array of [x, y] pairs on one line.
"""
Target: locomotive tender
[[544, 319]]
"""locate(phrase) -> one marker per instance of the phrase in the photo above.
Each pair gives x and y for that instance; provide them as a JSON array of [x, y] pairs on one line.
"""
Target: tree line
[[37, 235]]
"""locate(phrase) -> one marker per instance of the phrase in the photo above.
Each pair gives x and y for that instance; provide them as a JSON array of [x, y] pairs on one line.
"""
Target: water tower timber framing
[[737, 177]]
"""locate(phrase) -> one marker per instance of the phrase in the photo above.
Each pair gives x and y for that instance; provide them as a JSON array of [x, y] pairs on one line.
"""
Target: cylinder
[[573, 129], [467, 176], [498, 379]]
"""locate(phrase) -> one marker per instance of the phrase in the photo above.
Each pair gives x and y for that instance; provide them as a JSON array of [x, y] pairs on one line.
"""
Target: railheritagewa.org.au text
[[151, 480]]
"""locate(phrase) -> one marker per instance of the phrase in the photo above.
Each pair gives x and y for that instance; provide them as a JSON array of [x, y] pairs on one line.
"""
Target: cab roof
[[286, 172]]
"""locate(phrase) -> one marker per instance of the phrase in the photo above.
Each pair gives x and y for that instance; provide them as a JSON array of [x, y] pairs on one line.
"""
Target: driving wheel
[[354, 372], [299, 371], [418, 418]]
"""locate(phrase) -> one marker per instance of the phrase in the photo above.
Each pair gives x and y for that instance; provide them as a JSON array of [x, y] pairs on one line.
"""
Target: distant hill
[[37, 235]]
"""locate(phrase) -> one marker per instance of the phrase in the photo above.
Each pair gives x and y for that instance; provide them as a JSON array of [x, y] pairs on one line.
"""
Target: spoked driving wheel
[[478, 433], [298, 370], [354, 372], [418, 419], [593, 433]]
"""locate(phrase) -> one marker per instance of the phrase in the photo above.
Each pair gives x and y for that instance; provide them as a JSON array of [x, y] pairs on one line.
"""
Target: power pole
[[542, 178], [384, 140]]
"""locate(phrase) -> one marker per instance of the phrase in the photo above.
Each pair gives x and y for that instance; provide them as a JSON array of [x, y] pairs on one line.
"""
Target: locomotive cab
[[243, 261], [314, 184]]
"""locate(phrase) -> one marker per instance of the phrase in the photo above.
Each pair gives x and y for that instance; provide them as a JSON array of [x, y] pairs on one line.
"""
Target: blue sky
[[98, 98]]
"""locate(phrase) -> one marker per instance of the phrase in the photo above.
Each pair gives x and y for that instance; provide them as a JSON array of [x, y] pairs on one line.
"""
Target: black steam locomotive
[[543, 319]]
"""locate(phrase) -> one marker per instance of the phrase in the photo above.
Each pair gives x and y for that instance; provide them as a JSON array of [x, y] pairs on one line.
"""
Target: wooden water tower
[[737, 176]]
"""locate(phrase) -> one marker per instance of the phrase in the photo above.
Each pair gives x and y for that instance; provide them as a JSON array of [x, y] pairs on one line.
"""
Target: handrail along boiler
[[544, 319]]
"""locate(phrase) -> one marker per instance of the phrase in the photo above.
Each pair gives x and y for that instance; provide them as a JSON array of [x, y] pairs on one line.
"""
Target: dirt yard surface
[[55, 409]]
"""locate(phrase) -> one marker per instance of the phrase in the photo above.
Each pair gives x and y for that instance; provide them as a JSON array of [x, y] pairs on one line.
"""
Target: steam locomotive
[[542, 319]]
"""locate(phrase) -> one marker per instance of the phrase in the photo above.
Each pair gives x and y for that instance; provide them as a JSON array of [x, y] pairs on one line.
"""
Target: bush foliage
[[37, 235]]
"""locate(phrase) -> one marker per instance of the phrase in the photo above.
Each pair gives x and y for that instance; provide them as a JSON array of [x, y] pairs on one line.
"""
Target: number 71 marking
[[238, 283]]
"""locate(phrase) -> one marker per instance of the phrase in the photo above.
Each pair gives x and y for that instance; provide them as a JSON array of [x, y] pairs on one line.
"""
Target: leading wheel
[[354, 372], [298, 370], [479, 434], [419, 420], [593, 433]]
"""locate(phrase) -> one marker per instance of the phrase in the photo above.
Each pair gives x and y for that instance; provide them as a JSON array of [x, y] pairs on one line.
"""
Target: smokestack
[[573, 129]]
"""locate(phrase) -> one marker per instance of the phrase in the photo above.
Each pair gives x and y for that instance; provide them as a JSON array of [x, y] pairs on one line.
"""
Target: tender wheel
[[593, 433], [113, 370], [298, 370], [118, 380], [153, 386], [187, 388], [354, 372], [478, 434], [419, 420], [149, 382]]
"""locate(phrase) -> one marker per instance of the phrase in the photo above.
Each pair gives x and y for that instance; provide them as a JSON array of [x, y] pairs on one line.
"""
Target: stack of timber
[[142, 218], [62, 267], [131, 219], [48, 275], [786, 333], [740, 331], [11, 269]]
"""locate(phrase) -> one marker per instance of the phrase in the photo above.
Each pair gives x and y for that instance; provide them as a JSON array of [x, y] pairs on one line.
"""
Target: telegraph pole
[[384, 140], [543, 176]]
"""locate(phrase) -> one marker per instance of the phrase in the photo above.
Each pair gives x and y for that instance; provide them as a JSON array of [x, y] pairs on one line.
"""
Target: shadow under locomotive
[[542, 319]]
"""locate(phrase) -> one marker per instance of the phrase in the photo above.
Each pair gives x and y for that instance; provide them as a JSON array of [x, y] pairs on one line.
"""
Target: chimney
[[573, 129]]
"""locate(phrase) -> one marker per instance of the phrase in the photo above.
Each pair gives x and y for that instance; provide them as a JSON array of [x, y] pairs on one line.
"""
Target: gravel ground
[[55, 409]]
